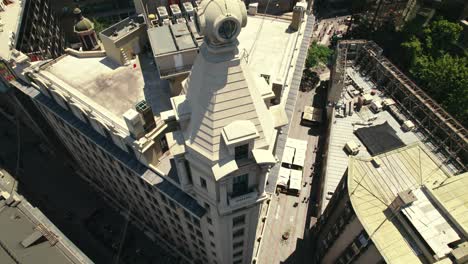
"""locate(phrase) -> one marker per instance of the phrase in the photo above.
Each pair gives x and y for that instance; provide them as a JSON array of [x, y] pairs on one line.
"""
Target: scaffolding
[[438, 129]]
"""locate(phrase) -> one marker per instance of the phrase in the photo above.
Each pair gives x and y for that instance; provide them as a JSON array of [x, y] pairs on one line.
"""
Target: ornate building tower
[[85, 30], [227, 133]]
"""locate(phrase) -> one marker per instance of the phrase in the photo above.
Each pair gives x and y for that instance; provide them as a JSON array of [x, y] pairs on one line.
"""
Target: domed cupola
[[225, 109], [84, 28], [220, 21]]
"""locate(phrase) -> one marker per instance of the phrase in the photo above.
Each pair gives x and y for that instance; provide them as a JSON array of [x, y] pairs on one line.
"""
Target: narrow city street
[[289, 213]]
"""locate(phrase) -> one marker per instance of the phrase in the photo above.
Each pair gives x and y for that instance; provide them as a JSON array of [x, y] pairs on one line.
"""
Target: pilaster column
[[223, 194], [262, 181]]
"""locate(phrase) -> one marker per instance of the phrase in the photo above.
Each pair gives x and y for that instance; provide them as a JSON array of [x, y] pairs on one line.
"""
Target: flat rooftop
[[172, 38], [439, 214], [269, 44], [107, 87], [10, 20], [24, 228], [124, 27], [342, 131]]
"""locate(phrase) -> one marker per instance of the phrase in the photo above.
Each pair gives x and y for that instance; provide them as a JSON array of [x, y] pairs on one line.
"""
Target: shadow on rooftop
[[109, 63]]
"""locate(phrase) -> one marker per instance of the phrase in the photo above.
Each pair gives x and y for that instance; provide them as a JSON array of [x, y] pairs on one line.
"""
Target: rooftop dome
[[84, 25], [221, 20]]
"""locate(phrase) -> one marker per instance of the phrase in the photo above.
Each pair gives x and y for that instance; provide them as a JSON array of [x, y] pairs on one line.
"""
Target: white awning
[[295, 181], [283, 177], [288, 155], [300, 147]]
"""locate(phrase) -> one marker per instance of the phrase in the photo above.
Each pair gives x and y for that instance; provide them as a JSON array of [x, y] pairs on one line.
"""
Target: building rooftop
[[10, 20], [171, 38], [27, 235], [124, 27], [437, 212], [270, 45], [109, 88], [343, 131]]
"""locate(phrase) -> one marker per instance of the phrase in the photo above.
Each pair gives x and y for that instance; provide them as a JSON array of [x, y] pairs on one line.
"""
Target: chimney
[[147, 114], [134, 123]]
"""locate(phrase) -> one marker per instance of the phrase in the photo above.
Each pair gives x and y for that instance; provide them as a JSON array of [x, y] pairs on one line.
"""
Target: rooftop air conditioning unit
[[188, 9], [175, 10], [162, 13]]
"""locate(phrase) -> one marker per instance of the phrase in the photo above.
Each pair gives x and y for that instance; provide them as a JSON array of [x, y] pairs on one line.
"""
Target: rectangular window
[[163, 198], [362, 239], [240, 185], [238, 233], [238, 220], [238, 254], [203, 182], [187, 215], [238, 244], [241, 152], [209, 220], [189, 171], [196, 222], [190, 227], [172, 204]]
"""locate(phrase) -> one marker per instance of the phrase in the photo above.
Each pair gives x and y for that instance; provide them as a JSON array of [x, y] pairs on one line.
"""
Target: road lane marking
[[277, 211]]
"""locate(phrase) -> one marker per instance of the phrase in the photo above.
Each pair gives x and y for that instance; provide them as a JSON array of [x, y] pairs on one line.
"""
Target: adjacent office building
[[40, 34], [28, 236], [190, 170], [401, 206], [393, 190]]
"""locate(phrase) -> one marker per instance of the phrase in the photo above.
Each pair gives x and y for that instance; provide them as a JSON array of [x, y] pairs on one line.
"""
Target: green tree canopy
[[318, 54], [440, 36], [446, 80], [442, 75]]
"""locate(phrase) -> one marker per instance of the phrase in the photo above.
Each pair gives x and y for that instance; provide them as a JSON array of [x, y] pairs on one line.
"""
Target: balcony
[[244, 199]]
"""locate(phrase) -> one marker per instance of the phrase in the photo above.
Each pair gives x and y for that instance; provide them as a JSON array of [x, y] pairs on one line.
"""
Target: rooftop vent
[[147, 114]]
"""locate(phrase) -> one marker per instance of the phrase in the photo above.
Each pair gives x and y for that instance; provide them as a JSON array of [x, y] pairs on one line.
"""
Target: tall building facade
[[40, 35], [226, 133], [387, 211], [190, 171]]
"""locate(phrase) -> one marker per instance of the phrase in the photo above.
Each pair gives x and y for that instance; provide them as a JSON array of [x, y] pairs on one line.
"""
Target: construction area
[[439, 131]]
